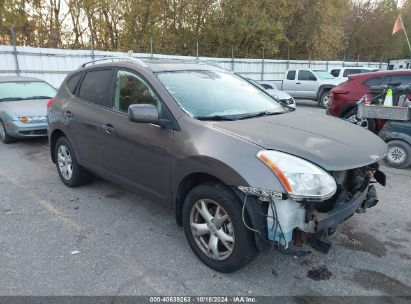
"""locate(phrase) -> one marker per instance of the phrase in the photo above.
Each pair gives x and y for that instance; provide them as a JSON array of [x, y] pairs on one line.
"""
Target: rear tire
[[71, 173], [234, 244], [399, 154], [4, 137]]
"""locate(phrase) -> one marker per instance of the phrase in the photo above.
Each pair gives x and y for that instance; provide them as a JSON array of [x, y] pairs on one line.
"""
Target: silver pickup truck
[[308, 84]]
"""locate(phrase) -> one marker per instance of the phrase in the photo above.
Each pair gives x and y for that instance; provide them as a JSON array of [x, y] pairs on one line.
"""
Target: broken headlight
[[301, 179]]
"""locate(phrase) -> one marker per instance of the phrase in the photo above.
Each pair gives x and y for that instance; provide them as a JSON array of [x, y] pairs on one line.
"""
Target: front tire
[[4, 137], [399, 154], [325, 99], [213, 225], [71, 173]]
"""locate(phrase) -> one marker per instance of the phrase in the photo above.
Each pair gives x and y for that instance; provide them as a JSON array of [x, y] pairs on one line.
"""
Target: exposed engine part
[[372, 199], [279, 222], [283, 217]]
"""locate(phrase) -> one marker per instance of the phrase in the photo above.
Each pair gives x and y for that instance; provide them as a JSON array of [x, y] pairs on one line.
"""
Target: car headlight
[[301, 179], [29, 119]]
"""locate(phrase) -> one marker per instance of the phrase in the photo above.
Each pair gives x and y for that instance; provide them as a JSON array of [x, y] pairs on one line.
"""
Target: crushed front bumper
[[289, 222], [323, 224]]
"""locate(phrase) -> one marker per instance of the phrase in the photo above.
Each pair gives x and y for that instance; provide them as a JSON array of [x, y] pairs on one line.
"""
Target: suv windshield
[[20, 90], [216, 95], [323, 74]]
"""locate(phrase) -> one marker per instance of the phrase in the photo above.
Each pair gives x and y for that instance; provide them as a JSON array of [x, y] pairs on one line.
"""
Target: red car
[[344, 97]]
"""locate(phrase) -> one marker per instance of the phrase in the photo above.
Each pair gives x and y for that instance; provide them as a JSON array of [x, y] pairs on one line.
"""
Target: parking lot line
[[44, 203]]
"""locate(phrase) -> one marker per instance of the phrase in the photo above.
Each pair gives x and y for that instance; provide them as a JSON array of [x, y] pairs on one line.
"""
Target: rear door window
[[95, 87], [291, 75], [73, 81], [373, 81]]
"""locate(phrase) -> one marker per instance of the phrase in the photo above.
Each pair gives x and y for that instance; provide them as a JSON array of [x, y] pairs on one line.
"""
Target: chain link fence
[[52, 65]]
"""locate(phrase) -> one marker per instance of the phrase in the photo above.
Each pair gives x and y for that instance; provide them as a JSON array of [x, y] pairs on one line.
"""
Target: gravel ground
[[100, 239]]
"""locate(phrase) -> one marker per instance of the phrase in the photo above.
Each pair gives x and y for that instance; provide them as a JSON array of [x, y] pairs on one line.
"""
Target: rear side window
[[95, 87], [351, 71], [372, 82], [404, 79], [335, 72], [73, 81], [291, 75]]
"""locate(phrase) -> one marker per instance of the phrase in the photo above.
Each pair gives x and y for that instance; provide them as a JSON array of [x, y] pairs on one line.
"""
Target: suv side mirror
[[143, 113], [312, 78]]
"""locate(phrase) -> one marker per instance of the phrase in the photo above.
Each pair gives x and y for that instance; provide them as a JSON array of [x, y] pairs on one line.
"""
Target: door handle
[[68, 115], [298, 83], [108, 128]]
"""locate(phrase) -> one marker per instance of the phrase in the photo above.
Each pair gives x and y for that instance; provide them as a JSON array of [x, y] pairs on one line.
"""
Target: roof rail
[[125, 58]]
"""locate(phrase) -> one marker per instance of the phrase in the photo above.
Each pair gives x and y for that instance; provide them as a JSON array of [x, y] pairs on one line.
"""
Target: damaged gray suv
[[243, 172]]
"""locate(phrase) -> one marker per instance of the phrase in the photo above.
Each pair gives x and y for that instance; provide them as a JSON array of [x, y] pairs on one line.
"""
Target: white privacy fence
[[52, 65]]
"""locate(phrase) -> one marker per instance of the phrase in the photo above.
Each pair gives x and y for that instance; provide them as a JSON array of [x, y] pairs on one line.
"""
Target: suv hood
[[36, 107], [331, 143]]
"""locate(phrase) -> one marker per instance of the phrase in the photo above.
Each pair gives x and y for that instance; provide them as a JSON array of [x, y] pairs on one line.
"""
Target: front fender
[[204, 165], [7, 117], [324, 87]]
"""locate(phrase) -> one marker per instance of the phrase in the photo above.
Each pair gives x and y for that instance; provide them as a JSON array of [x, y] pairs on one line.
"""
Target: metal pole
[[14, 41], [232, 58], [151, 48], [406, 36], [288, 59], [309, 61], [358, 58], [344, 61], [262, 67], [197, 51]]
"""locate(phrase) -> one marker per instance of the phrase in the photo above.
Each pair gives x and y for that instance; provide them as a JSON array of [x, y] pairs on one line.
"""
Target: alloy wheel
[[396, 155], [65, 162], [212, 229]]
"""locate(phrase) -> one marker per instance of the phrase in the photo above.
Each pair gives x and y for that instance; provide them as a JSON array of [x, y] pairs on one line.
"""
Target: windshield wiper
[[11, 98], [214, 117], [37, 97], [259, 114]]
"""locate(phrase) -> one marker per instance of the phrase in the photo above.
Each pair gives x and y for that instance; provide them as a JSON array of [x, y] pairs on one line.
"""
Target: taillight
[[50, 102]]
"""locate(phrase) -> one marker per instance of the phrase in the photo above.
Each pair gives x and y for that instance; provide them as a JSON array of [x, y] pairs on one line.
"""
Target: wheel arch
[[186, 185], [324, 88], [255, 219], [52, 142]]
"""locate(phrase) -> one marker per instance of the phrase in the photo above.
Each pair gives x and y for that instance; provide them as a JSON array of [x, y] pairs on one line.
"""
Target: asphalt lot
[[129, 246]]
